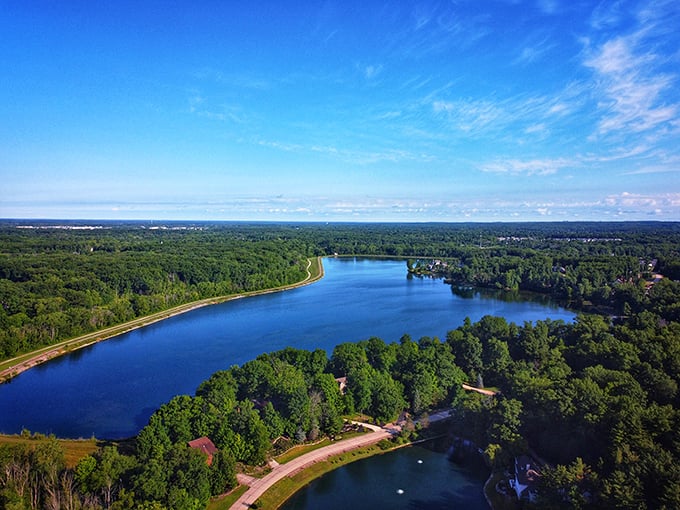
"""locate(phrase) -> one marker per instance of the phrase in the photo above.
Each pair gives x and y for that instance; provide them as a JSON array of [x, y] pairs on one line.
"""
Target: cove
[[413, 477], [110, 389]]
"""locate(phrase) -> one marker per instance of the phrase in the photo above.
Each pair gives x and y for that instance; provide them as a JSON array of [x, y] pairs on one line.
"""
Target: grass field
[[74, 449]]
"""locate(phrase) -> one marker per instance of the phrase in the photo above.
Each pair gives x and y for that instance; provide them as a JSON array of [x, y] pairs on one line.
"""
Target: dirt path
[[479, 390], [19, 364]]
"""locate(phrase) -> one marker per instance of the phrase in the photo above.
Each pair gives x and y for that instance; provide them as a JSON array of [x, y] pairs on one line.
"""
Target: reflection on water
[[415, 477]]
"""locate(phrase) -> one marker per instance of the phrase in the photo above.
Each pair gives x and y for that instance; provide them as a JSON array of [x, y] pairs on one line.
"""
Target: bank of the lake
[[14, 366], [416, 476]]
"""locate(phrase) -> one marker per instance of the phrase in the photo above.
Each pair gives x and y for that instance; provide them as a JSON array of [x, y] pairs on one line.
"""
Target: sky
[[459, 110]]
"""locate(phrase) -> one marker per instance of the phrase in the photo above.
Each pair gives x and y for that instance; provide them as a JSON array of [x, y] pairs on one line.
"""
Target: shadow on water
[[142, 418], [418, 476], [505, 296], [444, 501]]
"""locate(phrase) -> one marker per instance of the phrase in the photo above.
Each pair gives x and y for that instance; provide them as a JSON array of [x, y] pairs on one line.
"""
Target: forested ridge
[[597, 399]]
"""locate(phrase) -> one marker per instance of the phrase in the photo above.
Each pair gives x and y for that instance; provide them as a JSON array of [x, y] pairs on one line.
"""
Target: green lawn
[[285, 488]]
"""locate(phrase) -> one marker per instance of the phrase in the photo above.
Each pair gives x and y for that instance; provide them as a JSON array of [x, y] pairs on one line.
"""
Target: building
[[526, 476], [205, 445]]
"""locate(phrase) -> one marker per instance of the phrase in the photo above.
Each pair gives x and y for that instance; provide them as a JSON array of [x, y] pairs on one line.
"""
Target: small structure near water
[[526, 476], [205, 445]]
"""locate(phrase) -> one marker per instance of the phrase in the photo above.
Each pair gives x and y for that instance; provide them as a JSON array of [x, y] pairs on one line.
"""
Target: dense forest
[[597, 400], [58, 281]]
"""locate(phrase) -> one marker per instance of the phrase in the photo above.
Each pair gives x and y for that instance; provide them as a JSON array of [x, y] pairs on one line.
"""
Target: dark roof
[[205, 445]]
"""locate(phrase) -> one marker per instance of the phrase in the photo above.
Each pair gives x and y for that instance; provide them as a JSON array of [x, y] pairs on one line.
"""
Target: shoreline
[[259, 487], [23, 362]]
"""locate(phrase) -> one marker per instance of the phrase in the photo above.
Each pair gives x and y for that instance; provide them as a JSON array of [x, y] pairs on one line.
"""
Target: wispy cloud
[[656, 204], [351, 156], [511, 117], [536, 45], [659, 162], [431, 30], [618, 154], [548, 6], [199, 106], [607, 14], [634, 85], [527, 167], [469, 116]]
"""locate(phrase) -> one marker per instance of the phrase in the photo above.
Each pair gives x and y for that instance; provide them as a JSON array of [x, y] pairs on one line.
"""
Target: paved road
[[259, 486]]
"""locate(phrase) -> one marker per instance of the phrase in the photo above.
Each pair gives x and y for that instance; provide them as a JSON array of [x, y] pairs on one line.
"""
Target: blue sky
[[463, 110]]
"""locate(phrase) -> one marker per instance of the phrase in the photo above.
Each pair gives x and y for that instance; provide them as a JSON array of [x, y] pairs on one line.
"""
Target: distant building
[[205, 445]]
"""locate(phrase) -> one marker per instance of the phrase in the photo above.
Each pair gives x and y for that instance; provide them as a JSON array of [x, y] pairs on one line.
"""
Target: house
[[526, 475], [342, 384], [205, 445]]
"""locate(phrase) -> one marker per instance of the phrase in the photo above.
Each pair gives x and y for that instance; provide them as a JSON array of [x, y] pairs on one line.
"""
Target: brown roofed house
[[205, 445]]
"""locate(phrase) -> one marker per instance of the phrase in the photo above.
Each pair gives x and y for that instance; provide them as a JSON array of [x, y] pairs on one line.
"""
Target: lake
[[415, 477], [110, 389]]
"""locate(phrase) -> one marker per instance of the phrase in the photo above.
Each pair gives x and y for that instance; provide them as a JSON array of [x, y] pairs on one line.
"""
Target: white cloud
[[507, 118], [541, 129], [473, 117], [644, 202], [528, 167], [607, 14], [635, 95], [352, 156], [534, 50]]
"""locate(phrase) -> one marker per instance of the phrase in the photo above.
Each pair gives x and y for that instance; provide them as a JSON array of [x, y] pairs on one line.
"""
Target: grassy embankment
[[74, 449], [11, 367], [280, 492]]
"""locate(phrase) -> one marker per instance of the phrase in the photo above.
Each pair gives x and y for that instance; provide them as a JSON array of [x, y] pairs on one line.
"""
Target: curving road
[[259, 486]]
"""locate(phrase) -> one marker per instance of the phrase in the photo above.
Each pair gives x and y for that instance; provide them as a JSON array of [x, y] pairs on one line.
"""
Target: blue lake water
[[408, 478], [110, 389]]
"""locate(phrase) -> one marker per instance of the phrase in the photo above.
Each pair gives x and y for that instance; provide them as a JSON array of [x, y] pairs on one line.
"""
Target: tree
[[246, 422], [497, 360], [467, 350], [348, 358], [219, 390], [506, 422], [222, 473], [103, 473], [387, 399], [567, 486]]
